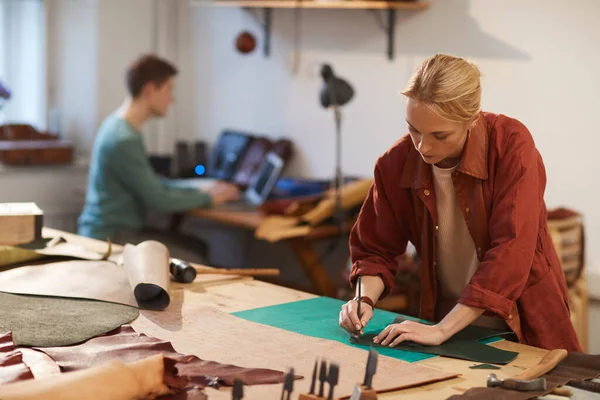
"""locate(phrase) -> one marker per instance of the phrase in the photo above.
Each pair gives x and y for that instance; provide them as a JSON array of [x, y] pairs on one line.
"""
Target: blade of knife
[[237, 392], [314, 378], [332, 379], [322, 377], [371, 368]]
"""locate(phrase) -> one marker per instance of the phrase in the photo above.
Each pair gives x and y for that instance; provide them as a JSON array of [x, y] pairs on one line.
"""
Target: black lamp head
[[335, 91]]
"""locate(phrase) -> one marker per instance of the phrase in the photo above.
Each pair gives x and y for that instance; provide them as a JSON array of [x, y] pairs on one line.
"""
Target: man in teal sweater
[[122, 185]]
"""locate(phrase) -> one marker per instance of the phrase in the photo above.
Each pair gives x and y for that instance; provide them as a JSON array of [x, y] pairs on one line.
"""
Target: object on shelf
[[245, 43], [267, 6], [24, 145]]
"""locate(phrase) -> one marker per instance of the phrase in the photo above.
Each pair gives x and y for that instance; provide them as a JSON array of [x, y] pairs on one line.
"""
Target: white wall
[[22, 69], [72, 37], [91, 43], [539, 59]]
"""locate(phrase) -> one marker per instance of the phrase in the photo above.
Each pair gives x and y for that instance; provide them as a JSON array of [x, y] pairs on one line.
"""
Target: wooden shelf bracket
[[389, 28], [389, 9]]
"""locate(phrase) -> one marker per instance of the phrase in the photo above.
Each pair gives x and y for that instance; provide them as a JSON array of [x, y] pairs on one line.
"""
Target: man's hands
[[223, 192]]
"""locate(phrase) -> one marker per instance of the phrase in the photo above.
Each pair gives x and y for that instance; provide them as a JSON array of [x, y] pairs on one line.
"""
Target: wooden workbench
[[302, 247], [230, 295]]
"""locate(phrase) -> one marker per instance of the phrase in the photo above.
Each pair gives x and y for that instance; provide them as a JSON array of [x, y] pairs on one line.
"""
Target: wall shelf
[[326, 4], [389, 7]]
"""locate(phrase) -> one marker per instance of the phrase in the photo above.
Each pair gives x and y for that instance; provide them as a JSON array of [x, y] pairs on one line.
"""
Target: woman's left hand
[[430, 335]]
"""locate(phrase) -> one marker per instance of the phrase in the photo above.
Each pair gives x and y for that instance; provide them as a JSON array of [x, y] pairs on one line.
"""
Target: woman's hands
[[349, 317], [430, 335], [393, 335], [371, 287]]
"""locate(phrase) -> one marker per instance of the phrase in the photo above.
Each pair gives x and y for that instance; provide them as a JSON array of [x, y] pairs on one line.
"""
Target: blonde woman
[[466, 188]]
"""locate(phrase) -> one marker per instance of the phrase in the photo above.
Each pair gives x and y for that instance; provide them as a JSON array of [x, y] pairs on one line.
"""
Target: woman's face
[[439, 140]]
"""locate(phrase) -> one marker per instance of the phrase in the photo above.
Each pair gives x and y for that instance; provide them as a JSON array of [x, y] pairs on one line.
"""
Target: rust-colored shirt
[[500, 185]]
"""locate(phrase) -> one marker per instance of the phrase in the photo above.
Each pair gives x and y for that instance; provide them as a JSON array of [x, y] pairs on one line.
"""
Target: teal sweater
[[122, 185]]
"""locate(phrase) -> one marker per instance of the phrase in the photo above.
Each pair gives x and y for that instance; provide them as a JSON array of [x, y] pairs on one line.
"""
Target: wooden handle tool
[[240, 271], [545, 365]]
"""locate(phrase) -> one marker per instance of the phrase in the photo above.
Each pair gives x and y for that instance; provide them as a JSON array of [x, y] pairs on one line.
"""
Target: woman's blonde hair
[[449, 86]]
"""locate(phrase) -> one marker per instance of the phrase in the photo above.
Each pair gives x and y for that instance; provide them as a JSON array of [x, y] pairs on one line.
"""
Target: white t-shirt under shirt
[[456, 257]]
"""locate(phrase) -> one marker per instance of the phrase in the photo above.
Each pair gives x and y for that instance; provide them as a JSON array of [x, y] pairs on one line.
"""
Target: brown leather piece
[[12, 367], [188, 394], [127, 345], [576, 367]]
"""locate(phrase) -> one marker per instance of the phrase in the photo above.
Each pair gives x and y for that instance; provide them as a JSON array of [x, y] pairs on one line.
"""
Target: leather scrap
[[126, 345], [59, 321], [12, 367], [576, 367], [484, 366]]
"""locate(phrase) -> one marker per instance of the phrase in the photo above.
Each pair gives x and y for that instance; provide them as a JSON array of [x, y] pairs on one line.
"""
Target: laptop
[[260, 187]]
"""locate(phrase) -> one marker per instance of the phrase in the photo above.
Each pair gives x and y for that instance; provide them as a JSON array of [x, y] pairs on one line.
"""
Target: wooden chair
[[567, 232]]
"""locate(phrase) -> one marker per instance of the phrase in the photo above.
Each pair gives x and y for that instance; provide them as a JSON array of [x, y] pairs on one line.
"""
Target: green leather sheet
[[318, 317], [465, 345], [44, 321], [471, 350]]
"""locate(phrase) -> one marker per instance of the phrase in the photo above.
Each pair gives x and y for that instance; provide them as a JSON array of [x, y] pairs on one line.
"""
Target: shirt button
[[510, 317], [467, 209], [426, 192], [437, 227]]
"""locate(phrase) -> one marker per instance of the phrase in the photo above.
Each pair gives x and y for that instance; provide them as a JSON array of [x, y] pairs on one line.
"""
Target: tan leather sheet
[[97, 280], [147, 268], [221, 337], [140, 277], [55, 247]]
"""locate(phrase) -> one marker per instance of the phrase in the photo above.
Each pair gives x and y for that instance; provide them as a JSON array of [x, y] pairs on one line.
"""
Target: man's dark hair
[[148, 68]]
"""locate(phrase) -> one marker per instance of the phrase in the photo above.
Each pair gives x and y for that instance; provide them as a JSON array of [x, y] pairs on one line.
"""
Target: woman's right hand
[[349, 317]]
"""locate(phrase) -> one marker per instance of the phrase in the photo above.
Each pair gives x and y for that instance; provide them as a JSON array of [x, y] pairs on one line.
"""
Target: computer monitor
[[263, 182]]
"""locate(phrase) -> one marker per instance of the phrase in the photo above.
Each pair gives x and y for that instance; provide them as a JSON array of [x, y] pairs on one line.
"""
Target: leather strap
[[367, 300]]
